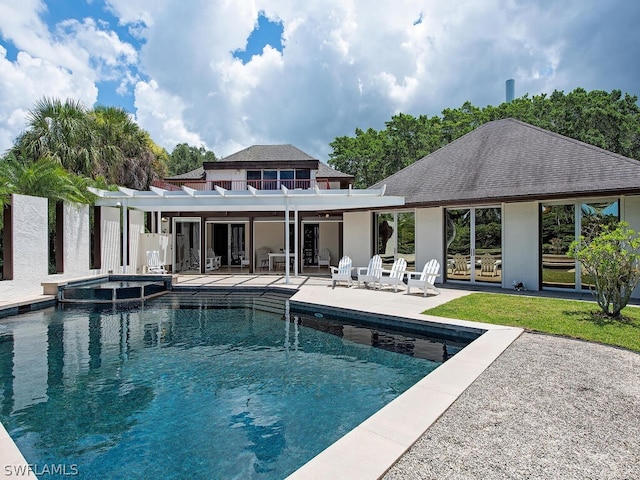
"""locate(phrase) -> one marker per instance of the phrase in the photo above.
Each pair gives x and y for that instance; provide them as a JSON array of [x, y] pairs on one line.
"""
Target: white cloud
[[162, 113], [346, 63]]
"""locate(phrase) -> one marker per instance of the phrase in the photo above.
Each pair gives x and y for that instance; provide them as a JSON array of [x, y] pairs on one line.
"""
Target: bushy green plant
[[611, 256]]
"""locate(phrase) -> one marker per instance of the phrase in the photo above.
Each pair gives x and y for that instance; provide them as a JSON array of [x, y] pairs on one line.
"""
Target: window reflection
[[558, 231]]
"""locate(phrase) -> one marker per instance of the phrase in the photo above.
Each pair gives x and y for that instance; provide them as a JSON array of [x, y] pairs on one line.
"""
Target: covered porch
[[250, 231]]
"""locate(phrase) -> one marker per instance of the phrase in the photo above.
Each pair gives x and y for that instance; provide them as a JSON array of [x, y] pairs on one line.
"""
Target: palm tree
[[61, 132], [126, 157], [43, 178], [104, 142]]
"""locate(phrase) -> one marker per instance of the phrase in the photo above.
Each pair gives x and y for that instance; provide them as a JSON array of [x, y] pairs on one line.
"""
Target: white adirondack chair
[[394, 276], [372, 273], [342, 273], [213, 261], [324, 258], [425, 279], [153, 262]]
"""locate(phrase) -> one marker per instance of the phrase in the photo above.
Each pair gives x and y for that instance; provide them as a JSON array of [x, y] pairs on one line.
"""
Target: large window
[[395, 237], [474, 244], [560, 225], [274, 179]]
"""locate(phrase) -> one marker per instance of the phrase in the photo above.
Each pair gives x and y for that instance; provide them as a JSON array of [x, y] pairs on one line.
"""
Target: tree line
[[607, 120]]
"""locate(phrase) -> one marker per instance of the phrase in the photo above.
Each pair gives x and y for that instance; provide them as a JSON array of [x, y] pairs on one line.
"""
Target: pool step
[[269, 301]]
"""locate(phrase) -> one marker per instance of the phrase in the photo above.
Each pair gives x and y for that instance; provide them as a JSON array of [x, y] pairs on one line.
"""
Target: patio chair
[[372, 273], [395, 276], [425, 279], [153, 262], [324, 258], [488, 265], [213, 261], [342, 273]]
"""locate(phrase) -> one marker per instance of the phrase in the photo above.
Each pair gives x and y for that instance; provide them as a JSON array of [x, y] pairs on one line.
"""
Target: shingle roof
[[325, 171], [510, 159], [260, 153], [197, 174]]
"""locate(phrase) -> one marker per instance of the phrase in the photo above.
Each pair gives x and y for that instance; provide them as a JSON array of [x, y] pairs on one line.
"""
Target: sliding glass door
[[395, 237], [474, 244], [187, 255], [560, 225]]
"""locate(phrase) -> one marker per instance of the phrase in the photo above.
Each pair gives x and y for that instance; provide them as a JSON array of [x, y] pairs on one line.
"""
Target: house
[[264, 208], [501, 205], [498, 206]]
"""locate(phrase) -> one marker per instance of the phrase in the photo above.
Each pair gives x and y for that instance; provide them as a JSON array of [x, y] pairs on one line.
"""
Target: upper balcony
[[242, 184]]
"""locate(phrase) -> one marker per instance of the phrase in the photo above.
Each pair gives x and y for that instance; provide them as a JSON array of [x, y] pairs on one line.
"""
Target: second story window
[[254, 178], [273, 179]]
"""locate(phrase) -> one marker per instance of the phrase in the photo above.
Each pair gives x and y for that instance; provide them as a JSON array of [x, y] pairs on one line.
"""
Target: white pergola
[[221, 200]]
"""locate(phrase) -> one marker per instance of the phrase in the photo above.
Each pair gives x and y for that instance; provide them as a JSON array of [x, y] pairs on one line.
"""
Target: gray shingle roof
[[260, 153], [197, 174], [510, 160], [325, 171]]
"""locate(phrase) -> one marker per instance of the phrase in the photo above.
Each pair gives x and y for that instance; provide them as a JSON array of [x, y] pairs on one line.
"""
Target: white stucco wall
[[110, 240], [30, 247], [329, 238], [270, 235], [76, 240], [520, 249], [136, 228], [429, 238], [154, 241], [356, 235], [235, 175], [30, 238]]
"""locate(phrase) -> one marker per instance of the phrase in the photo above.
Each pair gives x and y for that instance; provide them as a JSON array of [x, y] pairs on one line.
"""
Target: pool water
[[192, 388]]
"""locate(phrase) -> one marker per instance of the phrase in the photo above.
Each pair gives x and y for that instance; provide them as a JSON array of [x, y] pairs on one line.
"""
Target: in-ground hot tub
[[115, 288]]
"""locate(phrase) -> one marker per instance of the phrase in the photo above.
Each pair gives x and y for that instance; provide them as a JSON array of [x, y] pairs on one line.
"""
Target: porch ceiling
[[190, 200]]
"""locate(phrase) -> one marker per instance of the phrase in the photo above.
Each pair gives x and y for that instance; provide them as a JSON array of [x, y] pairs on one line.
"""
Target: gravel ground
[[547, 408]]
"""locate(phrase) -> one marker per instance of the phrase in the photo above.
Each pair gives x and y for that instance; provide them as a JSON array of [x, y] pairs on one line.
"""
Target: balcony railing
[[240, 184]]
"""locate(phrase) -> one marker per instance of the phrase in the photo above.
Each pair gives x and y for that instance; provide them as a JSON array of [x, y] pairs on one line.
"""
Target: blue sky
[[226, 75]]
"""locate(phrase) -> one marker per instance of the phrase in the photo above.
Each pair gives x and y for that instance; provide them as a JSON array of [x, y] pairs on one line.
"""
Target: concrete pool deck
[[508, 406]]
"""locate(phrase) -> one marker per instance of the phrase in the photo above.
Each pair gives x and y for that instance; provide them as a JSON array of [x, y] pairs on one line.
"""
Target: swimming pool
[[196, 385]]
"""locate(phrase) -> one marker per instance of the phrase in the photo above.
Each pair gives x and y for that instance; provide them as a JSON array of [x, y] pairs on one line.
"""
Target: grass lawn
[[549, 315]]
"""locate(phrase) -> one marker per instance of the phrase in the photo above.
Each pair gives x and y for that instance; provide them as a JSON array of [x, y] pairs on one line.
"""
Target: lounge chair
[[372, 273], [324, 258], [213, 261], [342, 273], [425, 279], [394, 276], [153, 262]]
